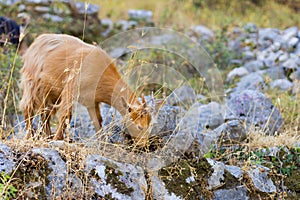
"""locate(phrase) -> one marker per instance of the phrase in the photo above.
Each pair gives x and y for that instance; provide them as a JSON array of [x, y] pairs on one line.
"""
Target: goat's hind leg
[[46, 117], [64, 112], [28, 117]]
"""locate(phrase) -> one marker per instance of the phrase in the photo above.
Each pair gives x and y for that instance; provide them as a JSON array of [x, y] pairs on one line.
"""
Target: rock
[[236, 72], [181, 96], [57, 177], [295, 75], [6, 160], [203, 32], [252, 81], [140, 15], [250, 28], [290, 64], [276, 46], [274, 73], [236, 62], [256, 109], [118, 52], [42, 9], [166, 120], [240, 192], [201, 117], [217, 178], [282, 84], [297, 49], [233, 131], [248, 55], [81, 126], [290, 33], [210, 115], [234, 45], [53, 18], [108, 25], [114, 179], [283, 57], [230, 132], [234, 171], [254, 65], [87, 8], [260, 179], [123, 25], [37, 2], [268, 34], [296, 88], [9, 2], [160, 191], [292, 43]]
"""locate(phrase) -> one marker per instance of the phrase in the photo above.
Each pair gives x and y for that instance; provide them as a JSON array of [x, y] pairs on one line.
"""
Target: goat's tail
[[29, 98]]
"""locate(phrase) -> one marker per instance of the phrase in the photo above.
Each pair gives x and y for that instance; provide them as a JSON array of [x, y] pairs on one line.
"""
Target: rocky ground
[[200, 145]]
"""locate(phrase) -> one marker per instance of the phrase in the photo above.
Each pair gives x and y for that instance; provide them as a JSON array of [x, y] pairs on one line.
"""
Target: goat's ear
[[125, 104], [144, 101]]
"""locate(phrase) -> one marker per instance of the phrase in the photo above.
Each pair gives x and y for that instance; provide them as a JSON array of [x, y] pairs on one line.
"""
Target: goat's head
[[139, 117]]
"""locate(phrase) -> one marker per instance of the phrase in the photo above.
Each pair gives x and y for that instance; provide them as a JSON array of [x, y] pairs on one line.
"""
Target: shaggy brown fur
[[61, 69]]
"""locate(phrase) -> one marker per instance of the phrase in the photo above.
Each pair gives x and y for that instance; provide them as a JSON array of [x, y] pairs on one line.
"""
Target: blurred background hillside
[[212, 13]]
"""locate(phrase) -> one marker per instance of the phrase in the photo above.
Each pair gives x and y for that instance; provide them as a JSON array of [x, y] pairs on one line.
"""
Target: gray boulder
[[236, 73], [91, 9], [116, 180], [57, 177], [250, 28], [282, 84], [6, 161], [260, 179], [217, 178], [230, 132], [166, 119], [183, 96], [203, 32], [252, 81], [290, 33], [140, 15], [254, 65], [238, 193], [256, 109]]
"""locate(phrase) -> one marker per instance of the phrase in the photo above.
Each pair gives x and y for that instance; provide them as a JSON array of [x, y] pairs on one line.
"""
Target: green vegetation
[[10, 65], [7, 190]]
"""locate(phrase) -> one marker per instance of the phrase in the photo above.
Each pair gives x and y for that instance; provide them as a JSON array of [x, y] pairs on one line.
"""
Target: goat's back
[[53, 60]]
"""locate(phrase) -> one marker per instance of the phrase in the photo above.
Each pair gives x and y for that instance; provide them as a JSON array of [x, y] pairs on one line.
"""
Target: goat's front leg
[[95, 115]]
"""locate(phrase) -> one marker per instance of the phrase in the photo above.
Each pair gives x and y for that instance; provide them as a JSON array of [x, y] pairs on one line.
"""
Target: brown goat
[[61, 69]]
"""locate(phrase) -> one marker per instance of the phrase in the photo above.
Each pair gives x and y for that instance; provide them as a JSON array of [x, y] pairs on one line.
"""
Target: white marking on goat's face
[[123, 89]]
